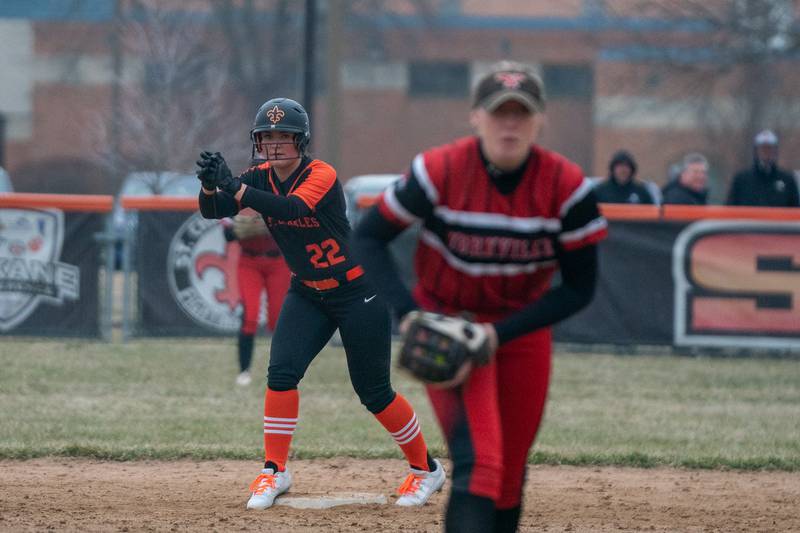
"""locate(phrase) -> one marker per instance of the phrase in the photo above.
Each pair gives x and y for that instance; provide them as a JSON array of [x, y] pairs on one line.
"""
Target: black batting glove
[[224, 178], [207, 170]]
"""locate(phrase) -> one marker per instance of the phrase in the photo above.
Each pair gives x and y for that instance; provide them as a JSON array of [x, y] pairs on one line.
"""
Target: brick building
[[616, 77]]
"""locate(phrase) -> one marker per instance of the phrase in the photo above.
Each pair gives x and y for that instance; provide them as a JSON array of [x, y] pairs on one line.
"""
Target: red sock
[[400, 420], [280, 420]]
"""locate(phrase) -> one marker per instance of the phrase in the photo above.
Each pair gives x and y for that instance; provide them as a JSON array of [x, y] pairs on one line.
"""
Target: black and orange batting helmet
[[280, 115]]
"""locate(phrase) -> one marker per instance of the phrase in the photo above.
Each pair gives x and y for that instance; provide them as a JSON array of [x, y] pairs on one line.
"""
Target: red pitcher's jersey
[[260, 245], [315, 246], [482, 250]]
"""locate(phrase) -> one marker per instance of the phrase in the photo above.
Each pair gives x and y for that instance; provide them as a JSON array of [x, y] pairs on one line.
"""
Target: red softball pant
[[490, 421], [256, 274]]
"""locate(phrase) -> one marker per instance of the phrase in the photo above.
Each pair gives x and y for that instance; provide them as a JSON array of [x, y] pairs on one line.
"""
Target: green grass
[[170, 399]]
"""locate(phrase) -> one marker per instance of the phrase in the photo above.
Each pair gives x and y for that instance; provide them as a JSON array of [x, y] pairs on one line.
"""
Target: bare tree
[[265, 37], [263, 40], [264, 45], [727, 64], [372, 18], [174, 100], [189, 76]]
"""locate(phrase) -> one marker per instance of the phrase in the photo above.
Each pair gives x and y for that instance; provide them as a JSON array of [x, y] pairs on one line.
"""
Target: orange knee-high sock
[[280, 420], [400, 420]]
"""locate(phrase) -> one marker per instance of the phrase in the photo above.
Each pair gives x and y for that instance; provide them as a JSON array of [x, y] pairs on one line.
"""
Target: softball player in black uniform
[[303, 205]]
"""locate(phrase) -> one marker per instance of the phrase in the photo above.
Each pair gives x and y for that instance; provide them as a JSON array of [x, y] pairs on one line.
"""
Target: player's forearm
[[377, 261], [217, 205], [370, 243], [278, 207], [556, 305], [579, 278]]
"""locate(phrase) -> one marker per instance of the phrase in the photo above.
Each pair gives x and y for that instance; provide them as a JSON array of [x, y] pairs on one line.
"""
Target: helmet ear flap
[[301, 142]]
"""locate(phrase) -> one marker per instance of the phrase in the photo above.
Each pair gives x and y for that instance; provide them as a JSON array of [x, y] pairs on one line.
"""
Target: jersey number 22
[[328, 249]]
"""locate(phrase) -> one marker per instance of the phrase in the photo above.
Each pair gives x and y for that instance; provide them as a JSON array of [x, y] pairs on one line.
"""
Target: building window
[[568, 81], [446, 79]]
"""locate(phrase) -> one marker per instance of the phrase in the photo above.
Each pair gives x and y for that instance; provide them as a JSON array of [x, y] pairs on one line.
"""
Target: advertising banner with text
[[49, 265], [715, 283], [719, 283]]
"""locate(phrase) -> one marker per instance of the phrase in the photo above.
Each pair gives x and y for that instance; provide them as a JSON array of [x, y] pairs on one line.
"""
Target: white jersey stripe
[[480, 269], [410, 438], [424, 179], [578, 195], [475, 219], [397, 208], [595, 225], [278, 432]]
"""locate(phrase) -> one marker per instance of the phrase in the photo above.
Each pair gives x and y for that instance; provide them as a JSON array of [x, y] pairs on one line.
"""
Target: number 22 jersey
[[314, 243]]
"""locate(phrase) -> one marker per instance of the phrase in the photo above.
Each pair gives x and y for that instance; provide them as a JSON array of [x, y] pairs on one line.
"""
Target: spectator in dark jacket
[[621, 186], [764, 184], [690, 188]]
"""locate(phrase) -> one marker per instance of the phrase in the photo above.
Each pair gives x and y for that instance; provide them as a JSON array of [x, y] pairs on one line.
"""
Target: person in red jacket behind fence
[[261, 268]]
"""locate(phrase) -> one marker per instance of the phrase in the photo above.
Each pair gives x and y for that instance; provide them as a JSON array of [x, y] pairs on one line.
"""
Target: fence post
[[106, 239], [127, 282], [2, 140]]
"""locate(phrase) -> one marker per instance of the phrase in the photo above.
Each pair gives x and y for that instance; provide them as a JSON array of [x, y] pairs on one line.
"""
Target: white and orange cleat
[[420, 485], [268, 486]]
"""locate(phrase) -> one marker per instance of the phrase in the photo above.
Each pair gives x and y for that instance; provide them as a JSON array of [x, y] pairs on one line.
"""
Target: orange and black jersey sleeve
[[306, 215]]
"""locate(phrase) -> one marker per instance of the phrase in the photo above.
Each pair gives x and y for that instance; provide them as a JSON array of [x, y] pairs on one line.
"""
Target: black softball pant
[[308, 320]]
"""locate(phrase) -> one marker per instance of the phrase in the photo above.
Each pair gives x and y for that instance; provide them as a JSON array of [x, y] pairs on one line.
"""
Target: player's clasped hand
[[224, 177], [214, 172], [207, 170]]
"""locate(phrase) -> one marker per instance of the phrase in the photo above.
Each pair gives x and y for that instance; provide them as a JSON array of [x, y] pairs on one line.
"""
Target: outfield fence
[[676, 276]]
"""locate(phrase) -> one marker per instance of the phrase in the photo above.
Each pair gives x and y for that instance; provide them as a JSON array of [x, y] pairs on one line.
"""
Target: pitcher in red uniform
[[499, 216], [260, 268]]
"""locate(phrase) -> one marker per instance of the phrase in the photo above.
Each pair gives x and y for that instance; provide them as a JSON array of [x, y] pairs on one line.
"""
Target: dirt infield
[[81, 495]]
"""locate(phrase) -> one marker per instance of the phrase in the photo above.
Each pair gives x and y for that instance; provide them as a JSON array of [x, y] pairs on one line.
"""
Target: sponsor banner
[[737, 283], [187, 276], [49, 265], [714, 283], [710, 283]]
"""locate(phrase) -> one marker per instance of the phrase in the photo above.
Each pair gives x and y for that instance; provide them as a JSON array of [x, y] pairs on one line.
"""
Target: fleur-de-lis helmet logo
[[275, 114]]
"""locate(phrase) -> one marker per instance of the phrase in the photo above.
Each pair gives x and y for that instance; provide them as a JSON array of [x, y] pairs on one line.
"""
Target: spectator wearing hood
[[690, 187], [621, 186], [764, 184]]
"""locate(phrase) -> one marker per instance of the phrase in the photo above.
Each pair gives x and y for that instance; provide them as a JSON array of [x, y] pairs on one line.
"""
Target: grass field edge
[[634, 459]]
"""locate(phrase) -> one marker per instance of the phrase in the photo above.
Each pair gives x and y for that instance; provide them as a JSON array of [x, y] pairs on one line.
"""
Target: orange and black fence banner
[[684, 277], [49, 264], [674, 275]]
